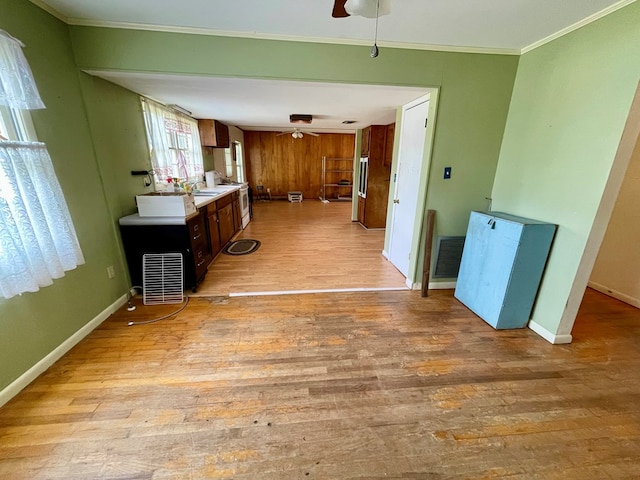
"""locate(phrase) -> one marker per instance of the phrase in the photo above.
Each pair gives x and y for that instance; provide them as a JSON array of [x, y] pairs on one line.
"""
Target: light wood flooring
[[304, 246], [383, 385]]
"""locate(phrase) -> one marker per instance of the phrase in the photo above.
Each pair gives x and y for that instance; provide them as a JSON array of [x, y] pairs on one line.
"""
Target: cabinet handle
[[200, 254], [195, 228], [196, 237], [200, 263]]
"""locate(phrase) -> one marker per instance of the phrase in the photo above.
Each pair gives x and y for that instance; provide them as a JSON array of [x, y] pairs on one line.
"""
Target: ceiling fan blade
[[338, 9], [284, 133], [312, 134]]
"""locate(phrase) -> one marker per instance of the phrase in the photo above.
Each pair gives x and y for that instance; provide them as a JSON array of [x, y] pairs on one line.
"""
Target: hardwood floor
[[333, 386], [304, 246]]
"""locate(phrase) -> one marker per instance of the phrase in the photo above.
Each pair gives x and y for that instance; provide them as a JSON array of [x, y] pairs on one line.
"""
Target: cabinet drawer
[[224, 201], [201, 260]]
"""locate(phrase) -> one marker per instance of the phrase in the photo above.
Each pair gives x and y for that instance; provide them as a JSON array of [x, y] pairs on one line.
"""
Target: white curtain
[[38, 242], [17, 87], [174, 143]]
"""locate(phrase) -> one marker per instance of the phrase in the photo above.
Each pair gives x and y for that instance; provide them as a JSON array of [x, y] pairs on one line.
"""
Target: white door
[[410, 154]]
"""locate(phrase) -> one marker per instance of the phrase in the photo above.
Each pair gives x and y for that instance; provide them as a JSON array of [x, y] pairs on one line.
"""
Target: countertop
[[201, 199]]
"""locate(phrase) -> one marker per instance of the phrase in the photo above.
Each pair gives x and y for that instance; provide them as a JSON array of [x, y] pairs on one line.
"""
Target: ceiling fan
[[361, 8], [297, 133]]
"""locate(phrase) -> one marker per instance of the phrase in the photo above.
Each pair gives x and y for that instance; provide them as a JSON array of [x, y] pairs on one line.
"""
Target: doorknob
[[396, 200]]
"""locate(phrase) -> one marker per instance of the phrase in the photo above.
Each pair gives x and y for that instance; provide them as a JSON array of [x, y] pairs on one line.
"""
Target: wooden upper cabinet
[[366, 142], [213, 134], [388, 148]]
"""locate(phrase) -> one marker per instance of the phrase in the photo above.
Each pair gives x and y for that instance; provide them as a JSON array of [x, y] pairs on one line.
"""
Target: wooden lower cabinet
[[237, 216], [361, 204], [213, 229], [223, 221]]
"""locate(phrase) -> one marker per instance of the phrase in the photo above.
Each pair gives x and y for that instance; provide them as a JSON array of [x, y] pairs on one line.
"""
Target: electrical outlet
[[111, 272]]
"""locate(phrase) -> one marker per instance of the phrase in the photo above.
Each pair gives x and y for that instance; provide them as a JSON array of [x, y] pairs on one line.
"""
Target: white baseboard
[[434, 285], [623, 297], [548, 336], [442, 285], [385, 254], [30, 375]]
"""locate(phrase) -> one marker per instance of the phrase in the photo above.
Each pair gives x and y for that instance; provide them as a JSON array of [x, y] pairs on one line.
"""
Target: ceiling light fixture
[[300, 118], [368, 8], [297, 134]]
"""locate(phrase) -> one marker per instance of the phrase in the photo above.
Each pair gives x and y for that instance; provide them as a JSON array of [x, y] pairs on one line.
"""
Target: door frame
[[417, 241]]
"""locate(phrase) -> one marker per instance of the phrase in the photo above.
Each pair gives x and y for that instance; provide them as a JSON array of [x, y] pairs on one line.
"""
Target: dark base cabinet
[[190, 240]]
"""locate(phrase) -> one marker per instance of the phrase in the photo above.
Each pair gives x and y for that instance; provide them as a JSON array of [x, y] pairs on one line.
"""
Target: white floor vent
[[162, 278]]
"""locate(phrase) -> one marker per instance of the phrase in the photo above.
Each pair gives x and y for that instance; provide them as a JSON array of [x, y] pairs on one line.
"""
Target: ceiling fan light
[[368, 8]]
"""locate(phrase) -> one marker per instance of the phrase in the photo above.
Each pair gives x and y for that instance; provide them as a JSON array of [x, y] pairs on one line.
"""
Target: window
[[237, 148], [174, 143], [16, 125], [38, 242], [228, 163]]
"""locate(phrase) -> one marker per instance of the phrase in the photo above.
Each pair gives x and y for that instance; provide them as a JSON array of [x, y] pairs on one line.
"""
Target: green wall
[[34, 324], [570, 103], [474, 92]]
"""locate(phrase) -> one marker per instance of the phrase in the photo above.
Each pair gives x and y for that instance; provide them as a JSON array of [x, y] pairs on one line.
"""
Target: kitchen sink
[[207, 193]]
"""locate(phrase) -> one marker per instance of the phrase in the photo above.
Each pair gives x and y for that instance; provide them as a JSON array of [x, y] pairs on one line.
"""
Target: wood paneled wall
[[283, 164]]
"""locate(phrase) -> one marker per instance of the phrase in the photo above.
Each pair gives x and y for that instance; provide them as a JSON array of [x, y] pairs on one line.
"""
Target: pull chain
[[374, 49]]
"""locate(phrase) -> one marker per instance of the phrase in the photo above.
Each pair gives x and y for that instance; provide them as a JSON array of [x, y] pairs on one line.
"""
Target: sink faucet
[[194, 185]]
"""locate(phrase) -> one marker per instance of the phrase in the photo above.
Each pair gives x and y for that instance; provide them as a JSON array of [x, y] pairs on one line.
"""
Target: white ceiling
[[492, 26], [253, 104]]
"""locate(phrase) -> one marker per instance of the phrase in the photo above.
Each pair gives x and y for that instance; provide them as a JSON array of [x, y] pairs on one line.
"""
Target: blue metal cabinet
[[501, 268]]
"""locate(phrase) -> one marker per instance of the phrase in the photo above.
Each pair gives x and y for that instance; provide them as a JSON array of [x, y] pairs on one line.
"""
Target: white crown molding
[[577, 25], [291, 38], [49, 9], [288, 38]]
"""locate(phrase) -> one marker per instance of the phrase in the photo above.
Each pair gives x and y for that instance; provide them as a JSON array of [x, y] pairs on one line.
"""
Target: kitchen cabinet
[[213, 134], [237, 215], [142, 235], [366, 140], [502, 264], [375, 174], [222, 222], [213, 230]]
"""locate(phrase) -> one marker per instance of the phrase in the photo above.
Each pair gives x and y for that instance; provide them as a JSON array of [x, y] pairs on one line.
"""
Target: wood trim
[[428, 247]]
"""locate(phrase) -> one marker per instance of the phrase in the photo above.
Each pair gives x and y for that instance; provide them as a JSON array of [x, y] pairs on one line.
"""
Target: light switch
[[447, 173]]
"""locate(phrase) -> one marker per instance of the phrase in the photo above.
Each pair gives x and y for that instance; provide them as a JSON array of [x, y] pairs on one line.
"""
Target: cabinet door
[[214, 230], [366, 139], [225, 217], [213, 133]]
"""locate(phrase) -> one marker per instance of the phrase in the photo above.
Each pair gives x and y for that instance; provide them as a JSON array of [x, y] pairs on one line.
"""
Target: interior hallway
[[305, 246]]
